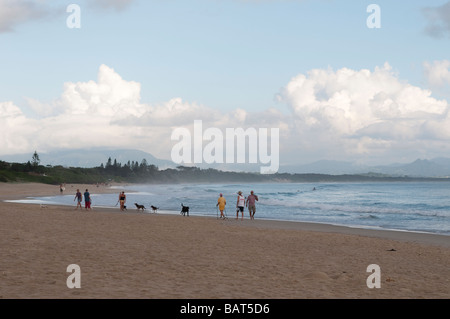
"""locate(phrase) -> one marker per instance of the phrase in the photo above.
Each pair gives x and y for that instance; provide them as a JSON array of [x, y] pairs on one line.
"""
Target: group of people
[[79, 199], [242, 202], [249, 202], [88, 200]]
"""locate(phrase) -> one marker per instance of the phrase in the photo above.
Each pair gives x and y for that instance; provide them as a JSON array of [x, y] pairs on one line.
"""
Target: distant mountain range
[[437, 167]]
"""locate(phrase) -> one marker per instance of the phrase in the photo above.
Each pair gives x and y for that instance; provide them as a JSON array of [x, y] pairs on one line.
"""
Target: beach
[[144, 255]]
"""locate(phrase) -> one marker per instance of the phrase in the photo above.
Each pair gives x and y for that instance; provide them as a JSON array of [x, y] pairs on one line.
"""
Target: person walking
[[221, 202], [79, 198], [87, 200], [122, 200], [251, 204], [240, 205]]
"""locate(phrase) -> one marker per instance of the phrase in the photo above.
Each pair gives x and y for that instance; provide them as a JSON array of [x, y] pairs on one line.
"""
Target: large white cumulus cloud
[[87, 114], [110, 96], [333, 114], [103, 113], [357, 112]]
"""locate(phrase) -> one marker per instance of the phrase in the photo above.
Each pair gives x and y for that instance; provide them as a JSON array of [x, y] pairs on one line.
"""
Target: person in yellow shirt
[[221, 202]]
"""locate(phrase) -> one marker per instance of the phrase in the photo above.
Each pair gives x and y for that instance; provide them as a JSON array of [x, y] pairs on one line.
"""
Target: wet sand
[[145, 255]]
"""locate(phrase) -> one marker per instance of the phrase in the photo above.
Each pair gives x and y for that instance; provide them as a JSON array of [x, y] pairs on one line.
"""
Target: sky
[[339, 79]]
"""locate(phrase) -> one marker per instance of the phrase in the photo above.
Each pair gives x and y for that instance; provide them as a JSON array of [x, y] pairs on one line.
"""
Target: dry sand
[[142, 255]]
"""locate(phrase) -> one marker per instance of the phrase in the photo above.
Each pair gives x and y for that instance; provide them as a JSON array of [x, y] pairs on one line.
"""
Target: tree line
[[143, 172], [129, 169], [33, 171]]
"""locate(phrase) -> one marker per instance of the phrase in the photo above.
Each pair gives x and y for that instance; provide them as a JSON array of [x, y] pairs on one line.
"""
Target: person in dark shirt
[[79, 199], [87, 200]]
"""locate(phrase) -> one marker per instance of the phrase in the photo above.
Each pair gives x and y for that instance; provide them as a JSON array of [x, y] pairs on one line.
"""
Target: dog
[[154, 208], [139, 206], [184, 210], [44, 206]]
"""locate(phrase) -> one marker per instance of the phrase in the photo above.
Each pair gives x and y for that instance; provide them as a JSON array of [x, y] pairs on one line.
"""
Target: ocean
[[403, 206]]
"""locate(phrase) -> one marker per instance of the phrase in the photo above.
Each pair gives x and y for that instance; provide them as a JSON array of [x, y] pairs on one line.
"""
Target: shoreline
[[394, 234], [147, 255]]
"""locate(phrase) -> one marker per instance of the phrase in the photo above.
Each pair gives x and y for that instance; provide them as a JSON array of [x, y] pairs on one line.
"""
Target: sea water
[[406, 206]]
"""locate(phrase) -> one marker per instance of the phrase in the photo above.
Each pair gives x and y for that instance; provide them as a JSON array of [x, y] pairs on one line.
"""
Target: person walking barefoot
[[87, 200], [240, 205], [79, 198], [251, 204], [221, 202]]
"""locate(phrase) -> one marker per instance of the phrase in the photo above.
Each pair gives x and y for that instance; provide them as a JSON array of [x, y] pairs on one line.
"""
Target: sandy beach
[[143, 255]]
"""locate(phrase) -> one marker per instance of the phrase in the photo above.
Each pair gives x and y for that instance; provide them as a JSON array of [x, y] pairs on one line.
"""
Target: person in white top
[[240, 205]]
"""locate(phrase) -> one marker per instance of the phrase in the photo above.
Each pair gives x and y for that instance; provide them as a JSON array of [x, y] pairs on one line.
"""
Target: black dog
[[139, 206], [154, 208], [184, 210]]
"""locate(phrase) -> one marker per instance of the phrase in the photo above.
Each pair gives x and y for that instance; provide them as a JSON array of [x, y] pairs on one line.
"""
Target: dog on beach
[[44, 206], [139, 206], [184, 210], [154, 208]]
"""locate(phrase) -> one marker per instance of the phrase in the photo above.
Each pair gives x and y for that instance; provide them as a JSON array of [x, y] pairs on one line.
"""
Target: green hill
[[134, 172]]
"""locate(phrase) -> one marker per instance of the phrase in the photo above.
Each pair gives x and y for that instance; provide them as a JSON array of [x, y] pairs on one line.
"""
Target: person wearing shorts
[[123, 200], [79, 199], [240, 205], [251, 204], [221, 202], [87, 200]]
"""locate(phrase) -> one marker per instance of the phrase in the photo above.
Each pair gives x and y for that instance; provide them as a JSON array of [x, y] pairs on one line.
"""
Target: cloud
[[117, 5], [437, 73], [15, 12], [15, 129], [107, 112], [438, 20], [362, 112], [83, 116], [110, 96], [346, 114]]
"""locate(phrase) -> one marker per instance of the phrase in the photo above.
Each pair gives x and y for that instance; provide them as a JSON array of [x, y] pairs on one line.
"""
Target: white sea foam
[[401, 206]]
